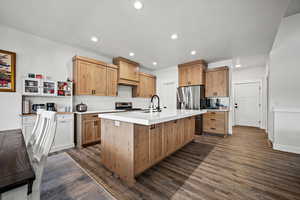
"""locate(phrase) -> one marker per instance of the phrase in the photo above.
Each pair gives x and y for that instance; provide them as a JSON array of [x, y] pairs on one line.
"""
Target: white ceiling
[[216, 29]]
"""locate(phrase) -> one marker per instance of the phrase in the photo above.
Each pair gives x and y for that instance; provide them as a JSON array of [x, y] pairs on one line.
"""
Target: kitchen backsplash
[[103, 103]]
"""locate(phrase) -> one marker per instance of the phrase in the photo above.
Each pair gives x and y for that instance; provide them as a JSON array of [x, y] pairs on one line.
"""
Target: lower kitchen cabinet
[[155, 142], [64, 137], [88, 129], [216, 122]]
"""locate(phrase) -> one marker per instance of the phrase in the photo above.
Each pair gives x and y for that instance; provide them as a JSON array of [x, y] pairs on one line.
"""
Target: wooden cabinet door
[[217, 83], [152, 86], [141, 148], [189, 129], [88, 131], [99, 80], [196, 75], [169, 137], [128, 71], [146, 87], [112, 82], [178, 134], [143, 86], [221, 83], [84, 78], [156, 143], [97, 130], [183, 76]]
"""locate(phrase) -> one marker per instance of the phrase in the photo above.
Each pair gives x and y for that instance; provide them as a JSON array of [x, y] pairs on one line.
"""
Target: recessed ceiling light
[[193, 52], [94, 39], [237, 66], [131, 54], [138, 5], [174, 36], [154, 63]]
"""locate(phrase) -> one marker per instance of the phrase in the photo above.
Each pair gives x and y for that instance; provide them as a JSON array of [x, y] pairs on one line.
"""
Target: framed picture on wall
[[7, 71]]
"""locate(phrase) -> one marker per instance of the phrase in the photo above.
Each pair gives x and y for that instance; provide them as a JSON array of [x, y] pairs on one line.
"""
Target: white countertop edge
[[148, 122], [99, 111]]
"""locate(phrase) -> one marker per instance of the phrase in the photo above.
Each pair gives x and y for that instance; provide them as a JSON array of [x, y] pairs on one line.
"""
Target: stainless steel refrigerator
[[192, 98]]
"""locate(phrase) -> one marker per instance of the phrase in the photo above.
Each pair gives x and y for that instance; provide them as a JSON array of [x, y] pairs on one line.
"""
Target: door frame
[[260, 99]]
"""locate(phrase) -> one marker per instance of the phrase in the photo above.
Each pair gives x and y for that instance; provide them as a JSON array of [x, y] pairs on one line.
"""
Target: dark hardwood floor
[[241, 166]]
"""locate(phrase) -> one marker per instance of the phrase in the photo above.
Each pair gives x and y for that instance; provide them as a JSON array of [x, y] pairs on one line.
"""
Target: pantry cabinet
[[146, 87], [93, 77], [217, 82], [192, 73], [128, 73]]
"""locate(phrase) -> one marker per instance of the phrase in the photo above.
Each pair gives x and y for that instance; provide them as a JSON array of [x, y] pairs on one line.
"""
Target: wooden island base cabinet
[[129, 149]]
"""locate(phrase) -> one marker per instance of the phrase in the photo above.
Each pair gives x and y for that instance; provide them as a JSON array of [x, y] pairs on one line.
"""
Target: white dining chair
[[39, 146]]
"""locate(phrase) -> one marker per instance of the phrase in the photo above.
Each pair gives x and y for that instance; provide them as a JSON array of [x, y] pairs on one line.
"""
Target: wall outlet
[[117, 123]]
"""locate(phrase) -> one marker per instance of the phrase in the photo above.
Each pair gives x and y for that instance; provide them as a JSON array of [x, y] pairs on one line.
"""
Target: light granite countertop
[[140, 117]]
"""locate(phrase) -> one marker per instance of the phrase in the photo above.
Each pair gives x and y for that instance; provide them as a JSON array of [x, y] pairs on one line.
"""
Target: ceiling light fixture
[[174, 36], [193, 52], [138, 5], [94, 39], [154, 63], [131, 54], [237, 66]]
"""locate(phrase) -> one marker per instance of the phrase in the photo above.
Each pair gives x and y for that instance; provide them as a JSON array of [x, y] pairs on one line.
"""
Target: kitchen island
[[134, 141]]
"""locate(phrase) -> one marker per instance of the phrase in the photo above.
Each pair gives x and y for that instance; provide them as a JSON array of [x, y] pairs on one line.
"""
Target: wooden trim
[[195, 62], [217, 69], [13, 71], [127, 82], [149, 75], [117, 59], [112, 66], [90, 60]]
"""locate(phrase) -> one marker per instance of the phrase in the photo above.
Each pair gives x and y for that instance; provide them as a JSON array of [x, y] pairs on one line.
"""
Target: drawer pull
[[213, 113], [213, 128], [152, 127], [213, 119]]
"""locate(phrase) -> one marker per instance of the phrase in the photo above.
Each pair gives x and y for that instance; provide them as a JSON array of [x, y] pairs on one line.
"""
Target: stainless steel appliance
[[81, 107], [36, 107], [125, 106], [192, 98], [50, 106]]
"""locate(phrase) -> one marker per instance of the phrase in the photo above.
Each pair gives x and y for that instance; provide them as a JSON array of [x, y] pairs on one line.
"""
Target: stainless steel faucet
[[158, 102]]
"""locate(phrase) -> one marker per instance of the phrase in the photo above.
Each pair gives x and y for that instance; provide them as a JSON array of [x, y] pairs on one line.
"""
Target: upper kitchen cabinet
[[146, 87], [112, 80], [93, 77], [192, 73], [128, 71], [217, 82]]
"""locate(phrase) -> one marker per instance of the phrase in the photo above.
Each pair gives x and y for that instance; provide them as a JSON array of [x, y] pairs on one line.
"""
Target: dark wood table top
[[15, 167]]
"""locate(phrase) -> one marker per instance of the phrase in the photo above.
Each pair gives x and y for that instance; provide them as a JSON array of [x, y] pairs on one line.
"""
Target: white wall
[[284, 69], [253, 74], [40, 55], [164, 77]]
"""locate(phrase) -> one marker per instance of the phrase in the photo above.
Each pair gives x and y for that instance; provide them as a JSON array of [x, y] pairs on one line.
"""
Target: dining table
[[16, 172]]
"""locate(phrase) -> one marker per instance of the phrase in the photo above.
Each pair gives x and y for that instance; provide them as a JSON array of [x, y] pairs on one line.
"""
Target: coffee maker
[[50, 106]]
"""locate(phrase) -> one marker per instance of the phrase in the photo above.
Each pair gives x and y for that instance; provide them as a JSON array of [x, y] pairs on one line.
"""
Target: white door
[[168, 95], [247, 104]]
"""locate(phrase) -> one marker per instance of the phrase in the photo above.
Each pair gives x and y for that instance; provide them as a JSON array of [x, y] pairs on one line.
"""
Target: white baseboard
[[286, 148], [62, 147]]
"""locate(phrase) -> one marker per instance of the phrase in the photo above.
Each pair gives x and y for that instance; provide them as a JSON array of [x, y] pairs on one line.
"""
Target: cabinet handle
[[175, 122], [213, 128], [213, 113], [152, 127], [189, 82], [213, 119]]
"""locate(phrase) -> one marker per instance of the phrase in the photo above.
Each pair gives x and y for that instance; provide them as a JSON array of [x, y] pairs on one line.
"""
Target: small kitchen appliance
[[125, 106], [50, 106], [81, 107], [36, 107]]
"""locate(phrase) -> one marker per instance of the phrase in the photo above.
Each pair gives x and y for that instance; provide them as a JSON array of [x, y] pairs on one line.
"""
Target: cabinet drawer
[[91, 116], [64, 117], [215, 115]]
